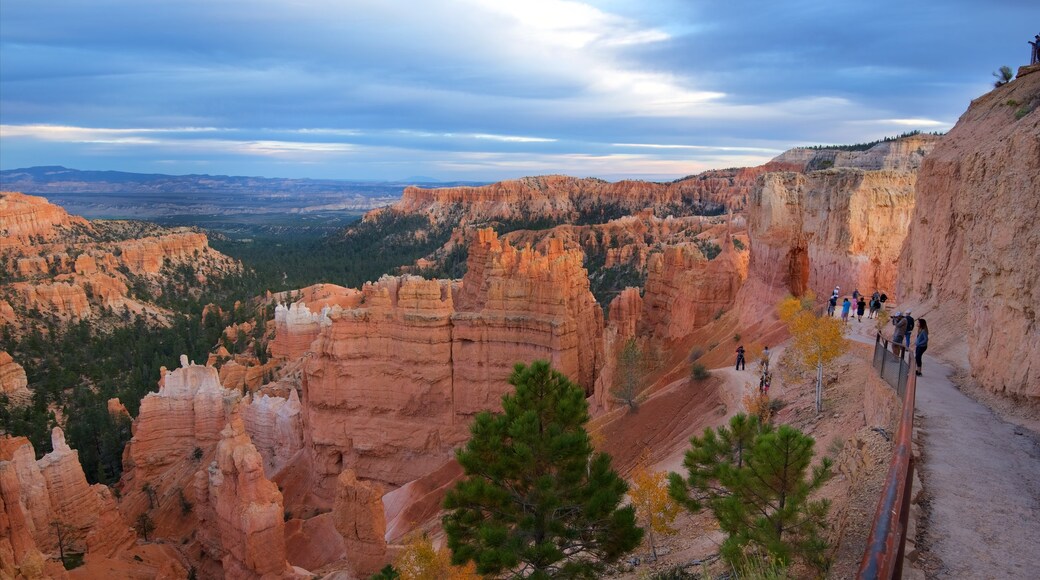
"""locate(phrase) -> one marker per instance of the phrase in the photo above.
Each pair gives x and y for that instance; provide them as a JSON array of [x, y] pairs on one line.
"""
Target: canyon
[[325, 456]]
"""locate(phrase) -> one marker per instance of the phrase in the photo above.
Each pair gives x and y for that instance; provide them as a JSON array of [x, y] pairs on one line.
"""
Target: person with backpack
[[860, 307], [845, 307], [740, 358], [875, 306], [922, 344], [898, 334], [832, 304], [909, 326]]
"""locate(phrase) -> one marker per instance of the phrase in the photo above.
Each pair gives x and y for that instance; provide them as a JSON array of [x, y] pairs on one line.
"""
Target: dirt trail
[[981, 477]]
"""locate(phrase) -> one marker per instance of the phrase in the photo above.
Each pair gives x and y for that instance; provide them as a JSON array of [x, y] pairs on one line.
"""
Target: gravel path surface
[[982, 476]]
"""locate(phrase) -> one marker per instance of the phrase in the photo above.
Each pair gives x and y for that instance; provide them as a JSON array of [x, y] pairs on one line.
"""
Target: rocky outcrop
[[40, 499], [902, 154], [13, 381], [835, 227], [189, 411], [27, 219], [562, 197], [359, 518], [240, 510], [67, 301], [685, 291], [970, 255], [394, 381], [275, 426]]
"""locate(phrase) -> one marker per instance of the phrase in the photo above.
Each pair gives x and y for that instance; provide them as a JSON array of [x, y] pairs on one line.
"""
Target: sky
[[483, 89]]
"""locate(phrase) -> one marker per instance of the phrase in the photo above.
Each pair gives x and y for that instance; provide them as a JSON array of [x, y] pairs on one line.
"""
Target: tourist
[[860, 307], [831, 304], [922, 343], [845, 306], [897, 335], [875, 306], [855, 295], [740, 358], [909, 326], [765, 359]]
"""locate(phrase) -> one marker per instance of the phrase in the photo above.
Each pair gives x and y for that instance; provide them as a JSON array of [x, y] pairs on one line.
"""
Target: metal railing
[[892, 367], [883, 558]]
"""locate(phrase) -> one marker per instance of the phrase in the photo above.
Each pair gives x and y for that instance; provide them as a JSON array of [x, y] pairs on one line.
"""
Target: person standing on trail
[[898, 334], [855, 295], [909, 326], [765, 359], [875, 306], [860, 307], [922, 343], [831, 304], [845, 306], [740, 358]]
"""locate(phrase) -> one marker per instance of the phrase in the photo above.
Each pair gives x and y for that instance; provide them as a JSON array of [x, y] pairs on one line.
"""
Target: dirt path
[[981, 478]]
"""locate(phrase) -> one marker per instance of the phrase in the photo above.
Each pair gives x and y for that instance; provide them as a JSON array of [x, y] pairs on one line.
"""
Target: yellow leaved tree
[[654, 507], [816, 340], [421, 561]]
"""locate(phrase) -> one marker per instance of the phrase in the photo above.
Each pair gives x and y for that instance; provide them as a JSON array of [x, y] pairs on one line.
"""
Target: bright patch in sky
[[482, 89]]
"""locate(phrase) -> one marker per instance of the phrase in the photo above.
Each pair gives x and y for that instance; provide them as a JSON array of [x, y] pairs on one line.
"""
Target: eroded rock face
[[970, 256], [394, 381], [26, 219], [359, 518], [559, 196], [13, 382], [39, 499], [189, 411], [685, 291], [903, 154], [240, 511], [275, 426], [836, 227]]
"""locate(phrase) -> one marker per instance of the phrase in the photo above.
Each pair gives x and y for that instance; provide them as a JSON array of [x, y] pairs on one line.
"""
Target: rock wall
[[685, 291], [394, 381], [275, 426], [359, 518], [559, 196], [39, 498], [13, 381], [26, 219], [832, 227], [240, 511], [970, 255]]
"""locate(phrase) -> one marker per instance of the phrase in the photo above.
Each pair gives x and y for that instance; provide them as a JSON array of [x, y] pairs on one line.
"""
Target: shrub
[[699, 372], [736, 337]]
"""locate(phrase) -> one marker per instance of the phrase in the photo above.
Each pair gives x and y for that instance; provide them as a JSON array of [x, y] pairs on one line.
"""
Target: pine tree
[[629, 373], [536, 501], [756, 481]]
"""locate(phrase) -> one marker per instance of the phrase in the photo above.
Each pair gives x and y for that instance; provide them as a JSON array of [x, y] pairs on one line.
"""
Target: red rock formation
[[394, 381], [970, 256], [359, 518], [13, 382], [38, 497], [275, 426], [839, 227], [189, 411], [26, 219], [561, 196], [240, 511], [67, 301], [685, 291]]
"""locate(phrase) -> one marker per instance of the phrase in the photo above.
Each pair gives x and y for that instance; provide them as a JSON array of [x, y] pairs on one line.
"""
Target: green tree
[[145, 525], [1003, 75], [536, 501], [756, 480]]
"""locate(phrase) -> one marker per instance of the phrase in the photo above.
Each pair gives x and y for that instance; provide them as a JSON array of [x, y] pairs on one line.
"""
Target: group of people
[[877, 300], [904, 326], [766, 377]]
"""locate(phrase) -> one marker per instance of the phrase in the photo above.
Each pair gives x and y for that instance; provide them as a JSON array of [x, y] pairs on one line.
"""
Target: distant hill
[[152, 195]]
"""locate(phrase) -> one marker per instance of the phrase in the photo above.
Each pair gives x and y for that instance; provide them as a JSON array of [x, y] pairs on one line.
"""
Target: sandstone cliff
[[393, 381], [970, 256], [902, 154], [65, 267], [567, 198], [835, 227], [13, 382]]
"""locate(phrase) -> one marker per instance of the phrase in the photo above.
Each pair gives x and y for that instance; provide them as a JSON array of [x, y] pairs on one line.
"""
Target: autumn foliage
[[655, 509], [815, 339], [421, 561]]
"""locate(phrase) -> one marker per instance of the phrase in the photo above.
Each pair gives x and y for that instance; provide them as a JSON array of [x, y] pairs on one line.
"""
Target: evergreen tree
[[629, 373], [756, 480], [537, 502]]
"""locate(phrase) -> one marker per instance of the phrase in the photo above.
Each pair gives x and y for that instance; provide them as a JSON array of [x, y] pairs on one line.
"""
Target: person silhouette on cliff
[[1034, 56], [741, 364]]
